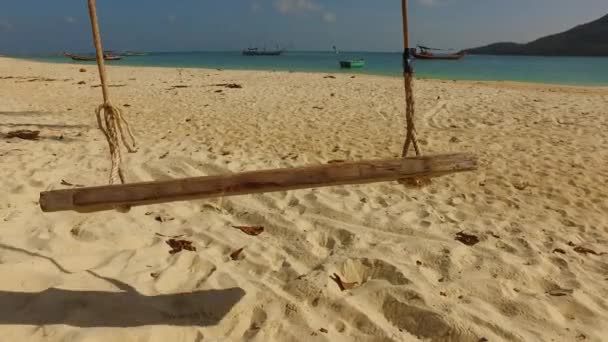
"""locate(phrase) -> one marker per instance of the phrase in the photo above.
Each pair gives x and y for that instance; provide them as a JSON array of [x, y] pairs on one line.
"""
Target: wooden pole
[[99, 50], [406, 36], [107, 197]]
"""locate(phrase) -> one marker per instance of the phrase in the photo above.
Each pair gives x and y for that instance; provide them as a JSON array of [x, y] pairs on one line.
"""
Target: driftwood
[[23, 134], [361, 172]]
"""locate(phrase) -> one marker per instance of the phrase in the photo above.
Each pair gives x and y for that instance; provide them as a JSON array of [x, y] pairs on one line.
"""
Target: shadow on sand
[[128, 308], [37, 125], [120, 309]]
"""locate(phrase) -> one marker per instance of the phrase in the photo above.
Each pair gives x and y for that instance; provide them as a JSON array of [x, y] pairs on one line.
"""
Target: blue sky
[[28, 26]]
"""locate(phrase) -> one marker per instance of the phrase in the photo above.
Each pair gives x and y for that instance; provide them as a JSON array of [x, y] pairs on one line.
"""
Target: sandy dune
[[538, 205]]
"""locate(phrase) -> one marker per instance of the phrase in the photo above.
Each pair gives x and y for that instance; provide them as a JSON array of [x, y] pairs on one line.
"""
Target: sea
[[589, 71]]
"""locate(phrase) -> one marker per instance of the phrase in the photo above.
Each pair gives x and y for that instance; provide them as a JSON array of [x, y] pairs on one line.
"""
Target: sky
[[48, 26]]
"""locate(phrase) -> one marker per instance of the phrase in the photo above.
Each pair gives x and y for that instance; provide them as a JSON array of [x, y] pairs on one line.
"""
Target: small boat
[[256, 52], [80, 58], [425, 53], [429, 55], [111, 56], [353, 63], [106, 56]]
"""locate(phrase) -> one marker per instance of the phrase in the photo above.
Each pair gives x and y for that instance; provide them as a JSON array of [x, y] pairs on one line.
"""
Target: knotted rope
[[109, 118], [410, 128], [112, 123]]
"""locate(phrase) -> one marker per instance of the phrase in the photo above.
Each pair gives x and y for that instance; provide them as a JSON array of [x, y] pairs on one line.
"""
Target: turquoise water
[[557, 70]]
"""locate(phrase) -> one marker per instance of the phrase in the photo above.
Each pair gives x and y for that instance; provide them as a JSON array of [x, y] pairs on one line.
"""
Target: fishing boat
[[425, 53], [353, 63], [257, 52], [106, 56], [80, 58], [111, 56]]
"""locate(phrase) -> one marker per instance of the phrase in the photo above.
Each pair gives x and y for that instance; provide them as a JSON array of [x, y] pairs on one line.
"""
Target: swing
[[408, 170]]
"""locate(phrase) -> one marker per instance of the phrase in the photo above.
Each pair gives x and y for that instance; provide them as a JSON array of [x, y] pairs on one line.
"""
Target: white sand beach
[[538, 205]]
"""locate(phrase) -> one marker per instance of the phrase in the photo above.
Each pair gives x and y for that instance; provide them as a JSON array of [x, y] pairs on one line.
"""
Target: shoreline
[[510, 83]]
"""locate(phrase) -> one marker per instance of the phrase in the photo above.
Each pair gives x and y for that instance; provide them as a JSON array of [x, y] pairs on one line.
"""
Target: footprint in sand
[[360, 271], [258, 318], [332, 238], [422, 323]]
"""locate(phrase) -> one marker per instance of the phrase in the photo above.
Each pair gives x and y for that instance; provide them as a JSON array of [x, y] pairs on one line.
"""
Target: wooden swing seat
[[108, 197]]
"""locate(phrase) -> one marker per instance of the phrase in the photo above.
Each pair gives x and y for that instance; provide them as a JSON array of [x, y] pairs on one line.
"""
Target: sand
[[538, 205]]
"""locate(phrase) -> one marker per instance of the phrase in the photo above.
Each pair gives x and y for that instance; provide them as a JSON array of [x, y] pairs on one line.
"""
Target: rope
[[408, 80], [109, 118], [410, 128], [112, 123]]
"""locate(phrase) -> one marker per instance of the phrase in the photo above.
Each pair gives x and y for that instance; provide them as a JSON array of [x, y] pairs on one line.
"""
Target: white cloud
[[299, 6], [171, 18], [70, 20]]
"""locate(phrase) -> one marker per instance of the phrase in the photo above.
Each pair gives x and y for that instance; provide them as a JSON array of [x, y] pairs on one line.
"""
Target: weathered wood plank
[[111, 196]]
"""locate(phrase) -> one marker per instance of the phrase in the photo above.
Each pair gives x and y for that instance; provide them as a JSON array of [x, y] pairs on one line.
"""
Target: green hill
[[590, 39]]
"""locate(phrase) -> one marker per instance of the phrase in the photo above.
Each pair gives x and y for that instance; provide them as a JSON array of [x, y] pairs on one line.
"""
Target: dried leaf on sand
[[24, 134], [180, 245], [341, 284], [560, 292], [63, 182], [467, 239], [229, 85], [584, 250], [235, 255], [250, 230], [178, 87], [169, 236]]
